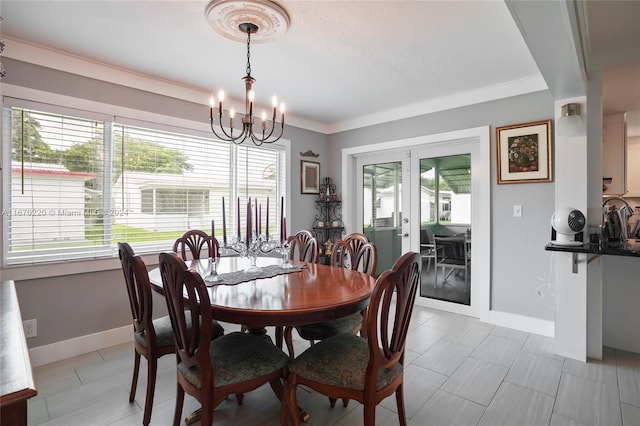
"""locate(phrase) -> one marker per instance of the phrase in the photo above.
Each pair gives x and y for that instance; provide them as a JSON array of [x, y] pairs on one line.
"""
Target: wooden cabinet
[[614, 148], [633, 167]]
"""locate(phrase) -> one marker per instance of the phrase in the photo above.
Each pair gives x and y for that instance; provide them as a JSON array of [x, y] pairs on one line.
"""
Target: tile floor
[[459, 372]]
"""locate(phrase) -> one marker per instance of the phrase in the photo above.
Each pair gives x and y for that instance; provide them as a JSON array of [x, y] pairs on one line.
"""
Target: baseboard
[[47, 354], [522, 323]]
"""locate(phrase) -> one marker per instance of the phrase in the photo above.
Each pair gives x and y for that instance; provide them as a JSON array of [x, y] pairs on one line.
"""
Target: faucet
[[618, 225], [622, 200]]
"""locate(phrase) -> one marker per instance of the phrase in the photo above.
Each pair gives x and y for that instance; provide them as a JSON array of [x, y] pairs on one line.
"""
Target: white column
[[571, 177]]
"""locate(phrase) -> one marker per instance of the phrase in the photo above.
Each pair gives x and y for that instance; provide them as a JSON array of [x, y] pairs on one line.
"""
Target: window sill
[[46, 270]]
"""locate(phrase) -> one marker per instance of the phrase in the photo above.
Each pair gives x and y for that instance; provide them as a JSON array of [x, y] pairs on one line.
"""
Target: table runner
[[237, 277]]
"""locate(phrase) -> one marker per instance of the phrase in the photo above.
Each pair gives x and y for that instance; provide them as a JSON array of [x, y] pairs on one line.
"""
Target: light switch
[[517, 210]]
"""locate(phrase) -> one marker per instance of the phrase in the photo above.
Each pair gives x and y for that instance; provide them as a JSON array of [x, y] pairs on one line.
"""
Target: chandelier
[[234, 19]]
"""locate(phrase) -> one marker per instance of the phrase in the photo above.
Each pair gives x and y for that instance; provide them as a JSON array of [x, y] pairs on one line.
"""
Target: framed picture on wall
[[309, 177], [524, 152]]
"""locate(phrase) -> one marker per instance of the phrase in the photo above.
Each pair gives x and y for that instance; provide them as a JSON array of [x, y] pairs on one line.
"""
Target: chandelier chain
[[249, 52]]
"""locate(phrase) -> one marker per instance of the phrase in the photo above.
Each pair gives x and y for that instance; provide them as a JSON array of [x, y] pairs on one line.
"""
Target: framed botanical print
[[309, 177], [524, 152]]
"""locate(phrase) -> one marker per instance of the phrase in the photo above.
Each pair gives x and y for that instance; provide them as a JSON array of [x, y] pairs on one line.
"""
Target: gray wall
[[517, 244]]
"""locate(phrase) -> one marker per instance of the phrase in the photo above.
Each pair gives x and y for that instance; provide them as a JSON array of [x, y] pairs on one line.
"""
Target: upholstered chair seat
[[235, 358], [164, 333], [341, 361]]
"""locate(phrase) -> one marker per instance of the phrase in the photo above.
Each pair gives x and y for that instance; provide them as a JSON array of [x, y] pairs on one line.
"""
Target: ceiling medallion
[[225, 16]]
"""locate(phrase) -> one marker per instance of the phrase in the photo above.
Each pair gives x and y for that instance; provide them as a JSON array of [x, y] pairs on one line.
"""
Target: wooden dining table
[[313, 294]]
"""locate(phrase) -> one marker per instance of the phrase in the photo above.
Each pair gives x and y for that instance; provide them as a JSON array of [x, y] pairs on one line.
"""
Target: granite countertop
[[628, 248]]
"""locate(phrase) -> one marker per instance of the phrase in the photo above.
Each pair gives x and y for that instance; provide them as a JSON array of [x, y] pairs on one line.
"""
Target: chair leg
[[152, 364], [402, 416], [289, 407], [279, 336], [206, 416], [179, 402], [239, 398], [134, 381], [288, 339], [370, 413]]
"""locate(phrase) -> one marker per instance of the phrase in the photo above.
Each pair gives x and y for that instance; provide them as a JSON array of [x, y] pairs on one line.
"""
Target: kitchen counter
[[629, 248]]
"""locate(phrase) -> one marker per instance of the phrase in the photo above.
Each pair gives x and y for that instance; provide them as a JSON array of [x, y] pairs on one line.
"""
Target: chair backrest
[[305, 247], [450, 247], [136, 278], [196, 240], [366, 260], [386, 328], [356, 240], [424, 236], [189, 309]]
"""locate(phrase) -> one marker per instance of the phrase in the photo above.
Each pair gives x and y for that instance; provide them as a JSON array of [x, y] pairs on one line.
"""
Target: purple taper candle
[[281, 217], [267, 221], [248, 221], [256, 216], [238, 210], [213, 229], [224, 224]]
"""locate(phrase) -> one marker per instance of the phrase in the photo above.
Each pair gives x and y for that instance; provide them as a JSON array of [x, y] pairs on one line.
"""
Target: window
[[77, 186]]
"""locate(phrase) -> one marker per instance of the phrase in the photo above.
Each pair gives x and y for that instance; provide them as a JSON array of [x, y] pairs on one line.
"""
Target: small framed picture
[[524, 152], [309, 177]]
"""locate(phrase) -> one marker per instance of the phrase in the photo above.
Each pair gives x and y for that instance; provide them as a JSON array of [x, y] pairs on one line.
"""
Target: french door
[[442, 186]]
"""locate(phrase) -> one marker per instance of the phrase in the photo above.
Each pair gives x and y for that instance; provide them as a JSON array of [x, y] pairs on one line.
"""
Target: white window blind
[[80, 186]]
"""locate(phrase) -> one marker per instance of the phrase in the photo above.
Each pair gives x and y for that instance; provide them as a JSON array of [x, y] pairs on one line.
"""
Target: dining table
[[303, 293]]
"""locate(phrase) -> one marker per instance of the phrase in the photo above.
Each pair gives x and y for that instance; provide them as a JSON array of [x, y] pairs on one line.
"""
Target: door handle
[[406, 234]]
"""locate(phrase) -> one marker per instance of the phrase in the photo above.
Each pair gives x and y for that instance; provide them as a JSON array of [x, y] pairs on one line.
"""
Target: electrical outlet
[[517, 210], [30, 328]]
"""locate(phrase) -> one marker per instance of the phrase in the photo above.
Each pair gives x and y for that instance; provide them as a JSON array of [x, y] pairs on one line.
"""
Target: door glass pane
[[445, 228], [382, 210]]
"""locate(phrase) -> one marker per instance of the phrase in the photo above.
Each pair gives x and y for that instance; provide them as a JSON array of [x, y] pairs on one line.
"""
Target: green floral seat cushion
[[237, 357], [164, 332], [340, 361], [322, 330]]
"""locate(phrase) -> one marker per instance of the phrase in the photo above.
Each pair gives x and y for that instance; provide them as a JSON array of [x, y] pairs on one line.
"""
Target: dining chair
[[210, 370], [343, 256], [304, 247], [195, 241], [367, 369], [427, 248], [451, 254], [152, 338]]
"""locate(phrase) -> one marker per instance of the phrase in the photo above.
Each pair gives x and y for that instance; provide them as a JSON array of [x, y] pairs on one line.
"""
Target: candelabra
[[255, 246]]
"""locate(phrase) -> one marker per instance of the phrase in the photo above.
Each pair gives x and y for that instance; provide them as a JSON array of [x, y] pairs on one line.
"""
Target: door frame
[[480, 138]]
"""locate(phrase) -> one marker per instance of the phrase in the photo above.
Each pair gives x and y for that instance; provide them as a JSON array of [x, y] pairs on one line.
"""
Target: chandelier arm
[[265, 139], [229, 137]]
